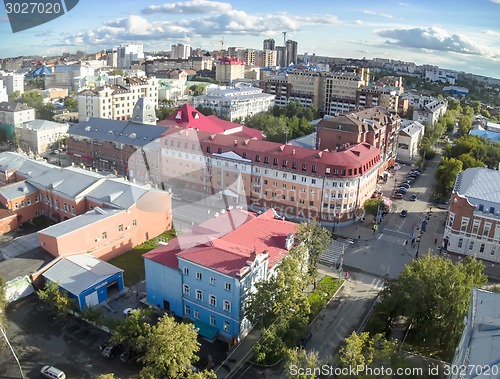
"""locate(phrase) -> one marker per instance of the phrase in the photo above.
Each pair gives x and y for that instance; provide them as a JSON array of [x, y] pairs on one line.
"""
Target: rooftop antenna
[[284, 38]]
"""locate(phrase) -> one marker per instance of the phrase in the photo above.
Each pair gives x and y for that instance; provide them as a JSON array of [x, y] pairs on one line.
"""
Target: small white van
[[52, 372]]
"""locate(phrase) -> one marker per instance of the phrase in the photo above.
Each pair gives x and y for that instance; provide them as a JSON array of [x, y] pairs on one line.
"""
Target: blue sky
[[455, 34]]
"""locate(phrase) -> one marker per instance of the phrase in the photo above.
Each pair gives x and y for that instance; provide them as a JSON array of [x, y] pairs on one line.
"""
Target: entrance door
[[166, 306], [91, 299]]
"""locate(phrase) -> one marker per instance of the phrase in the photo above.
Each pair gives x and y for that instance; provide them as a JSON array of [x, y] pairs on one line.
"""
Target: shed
[[87, 279]]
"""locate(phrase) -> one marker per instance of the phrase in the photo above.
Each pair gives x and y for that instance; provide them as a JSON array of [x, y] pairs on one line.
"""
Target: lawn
[[324, 291], [132, 263]]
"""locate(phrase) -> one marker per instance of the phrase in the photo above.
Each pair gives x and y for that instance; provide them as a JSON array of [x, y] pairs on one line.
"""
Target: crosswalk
[[337, 248], [393, 239]]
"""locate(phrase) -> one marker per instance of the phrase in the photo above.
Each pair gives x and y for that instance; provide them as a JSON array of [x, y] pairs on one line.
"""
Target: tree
[[434, 294], [206, 374], [308, 361], [485, 113], [163, 112], [132, 328], [3, 305], [454, 105], [316, 239], [197, 89], [476, 106], [107, 376], [373, 205], [57, 300], [465, 124], [469, 161], [71, 103], [446, 174], [170, 349], [362, 351]]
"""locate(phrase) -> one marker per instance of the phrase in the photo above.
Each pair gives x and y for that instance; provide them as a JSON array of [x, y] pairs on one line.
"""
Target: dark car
[[128, 355], [415, 172], [418, 169], [404, 185], [404, 213], [111, 350], [412, 176], [440, 200], [402, 190], [413, 197]]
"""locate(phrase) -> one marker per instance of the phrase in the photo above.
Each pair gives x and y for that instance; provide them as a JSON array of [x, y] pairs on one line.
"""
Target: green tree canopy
[[198, 89], [57, 300], [446, 174], [170, 349], [476, 106], [372, 205], [132, 329], [454, 105], [434, 293], [465, 124], [308, 361], [71, 103], [316, 239]]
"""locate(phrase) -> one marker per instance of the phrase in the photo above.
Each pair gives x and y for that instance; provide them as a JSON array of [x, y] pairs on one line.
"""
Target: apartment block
[[431, 112], [13, 82], [39, 136], [229, 69], [13, 115]]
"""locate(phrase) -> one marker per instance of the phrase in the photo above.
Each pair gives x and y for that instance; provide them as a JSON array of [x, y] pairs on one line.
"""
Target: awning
[[205, 330]]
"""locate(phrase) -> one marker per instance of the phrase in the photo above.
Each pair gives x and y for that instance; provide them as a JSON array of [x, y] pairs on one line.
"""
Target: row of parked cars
[[406, 184]]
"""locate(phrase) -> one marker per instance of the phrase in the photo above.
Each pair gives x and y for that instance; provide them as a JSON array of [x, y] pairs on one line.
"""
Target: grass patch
[[323, 292], [132, 263]]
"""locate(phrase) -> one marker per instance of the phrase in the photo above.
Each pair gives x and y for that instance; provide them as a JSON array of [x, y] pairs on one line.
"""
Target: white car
[[128, 311], [52, 372]]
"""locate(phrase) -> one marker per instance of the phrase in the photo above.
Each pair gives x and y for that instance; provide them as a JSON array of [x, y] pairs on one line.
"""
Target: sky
[[455, 34]]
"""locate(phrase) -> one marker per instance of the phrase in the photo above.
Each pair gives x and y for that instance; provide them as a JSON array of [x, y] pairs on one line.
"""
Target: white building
[[180, 51], [14, 114], [126, 54], [63, 75], [3, 92], [40, 136], [440, 75], [117, 100], [410, 136], [431, 112], [13, 82], [480, 342], [236, 102]]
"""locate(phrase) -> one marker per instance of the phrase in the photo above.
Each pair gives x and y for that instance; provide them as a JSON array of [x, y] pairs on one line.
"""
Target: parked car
[[402, 190], [397, 196], [52, 372], [440, 200], [415, 172], [412, 176], [413, 197], [419, 169], [404, 185], [128, 355], [111, 350], [404, 213]]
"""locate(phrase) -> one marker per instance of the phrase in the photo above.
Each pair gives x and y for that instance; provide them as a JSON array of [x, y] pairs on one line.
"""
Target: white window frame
[[212, 300], [198, 275], [227, 286], [199, 295], [227, 306], [185, 289]]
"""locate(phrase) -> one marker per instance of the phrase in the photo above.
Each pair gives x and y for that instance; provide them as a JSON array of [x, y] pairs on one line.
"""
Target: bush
[[430, 154]]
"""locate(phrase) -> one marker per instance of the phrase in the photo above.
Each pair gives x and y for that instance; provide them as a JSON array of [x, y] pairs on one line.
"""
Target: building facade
[[13, 82], [235, 103], [40, 136], [409, 139], [229, 69], [13, 115], [206, 274], [473, 223], [431, 112]]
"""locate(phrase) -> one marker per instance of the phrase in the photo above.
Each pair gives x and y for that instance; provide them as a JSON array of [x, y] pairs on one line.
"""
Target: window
[[257, 158], [481, 207], [227, 286], [198, 275], [72, 209], [212, 281], [120, 228], [185, 270], [104, 235], [471, 245], [187, 310], [486, 229], [493, 250], [481, 248], [212, 320], [22, 203], [226, 326], [304, 167], [185, 289], [196, 314], [134, 223], [266, 159], [313, 181], [275, 161], [475, 226], [227, 306], [16, 206], [28, 202], [37, 199], [212, 300], [460, 242], [199, 295], [65, 207], [464, 223]]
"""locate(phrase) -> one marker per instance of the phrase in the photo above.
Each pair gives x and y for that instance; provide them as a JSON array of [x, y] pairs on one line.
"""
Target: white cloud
[[373, 13], [359, 22], [436, 39], [190, 7], [495, 1], [492, 33]]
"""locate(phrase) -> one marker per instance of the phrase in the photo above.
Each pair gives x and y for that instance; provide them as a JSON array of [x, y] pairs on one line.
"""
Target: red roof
[[188, 117], [226, 243]]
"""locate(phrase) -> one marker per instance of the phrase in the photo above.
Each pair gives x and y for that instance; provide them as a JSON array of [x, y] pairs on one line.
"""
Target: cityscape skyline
[[459, 35]]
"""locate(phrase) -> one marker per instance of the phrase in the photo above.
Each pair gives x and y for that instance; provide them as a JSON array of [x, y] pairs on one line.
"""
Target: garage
[[87, 279]]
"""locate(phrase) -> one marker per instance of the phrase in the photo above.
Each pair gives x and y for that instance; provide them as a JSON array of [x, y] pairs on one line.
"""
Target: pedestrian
[[416, 254], [346, 275], [435, 241]]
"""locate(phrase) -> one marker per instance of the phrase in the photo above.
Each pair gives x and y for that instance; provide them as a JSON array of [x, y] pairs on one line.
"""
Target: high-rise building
[[180, 50], [13, 82], [269, 44], [229, 69], [291, 51], [281, 56], [265, 58], [126, 54]]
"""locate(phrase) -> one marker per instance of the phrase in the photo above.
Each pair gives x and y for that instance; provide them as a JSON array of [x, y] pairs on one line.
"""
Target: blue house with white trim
[[206, 274], [88, 280]]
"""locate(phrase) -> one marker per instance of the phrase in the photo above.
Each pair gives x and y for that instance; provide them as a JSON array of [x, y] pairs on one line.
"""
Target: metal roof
[[70, 181], [78, 273], [479, 185], [42, 125], [23, 164], [126, 132], [76, 223], [15, 190], [118, 192]]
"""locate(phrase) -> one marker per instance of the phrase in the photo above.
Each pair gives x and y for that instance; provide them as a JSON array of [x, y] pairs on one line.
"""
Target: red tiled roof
[[225, 243]]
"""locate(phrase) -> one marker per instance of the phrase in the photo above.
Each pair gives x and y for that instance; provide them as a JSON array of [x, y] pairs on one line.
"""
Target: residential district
[[247, 213]]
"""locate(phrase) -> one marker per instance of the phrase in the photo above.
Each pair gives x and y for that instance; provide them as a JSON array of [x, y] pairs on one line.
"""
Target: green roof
[[206, 330]]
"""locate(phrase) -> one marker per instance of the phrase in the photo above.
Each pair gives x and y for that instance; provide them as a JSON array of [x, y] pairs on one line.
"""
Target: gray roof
[[481, 336], [70, 181], [24, 264], [9, 106], [23, 164], [15, 190], [410, 127], [76, 223], [308, 141], [118, 192], [42, 125], [80, 272], [126, 132], [479, 185]]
